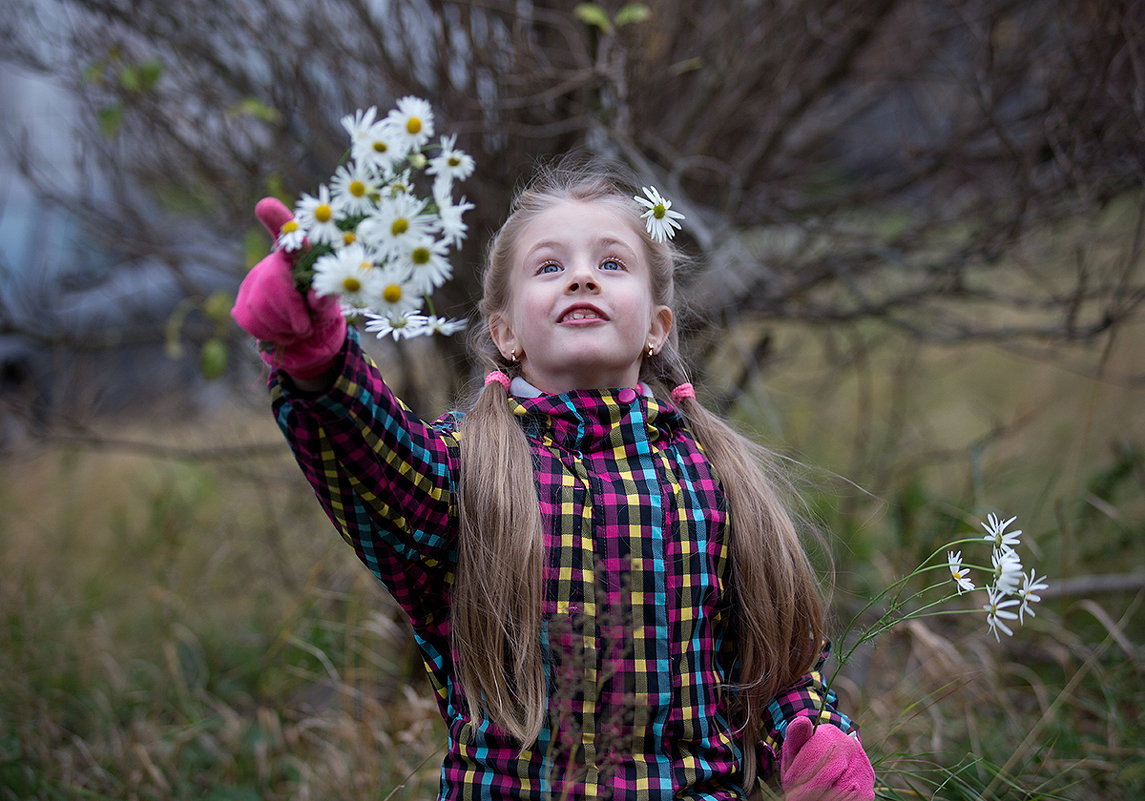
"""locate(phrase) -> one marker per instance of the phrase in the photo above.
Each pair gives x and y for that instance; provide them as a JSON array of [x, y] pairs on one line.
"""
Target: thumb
[[273, 214], [799, 731]]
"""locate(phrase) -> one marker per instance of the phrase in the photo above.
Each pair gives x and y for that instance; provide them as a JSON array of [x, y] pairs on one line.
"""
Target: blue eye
[[612, 264], [549, 267]]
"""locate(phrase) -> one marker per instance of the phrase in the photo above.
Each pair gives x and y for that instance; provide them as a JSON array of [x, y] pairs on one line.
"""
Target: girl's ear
[[503, 337], [661, 324]]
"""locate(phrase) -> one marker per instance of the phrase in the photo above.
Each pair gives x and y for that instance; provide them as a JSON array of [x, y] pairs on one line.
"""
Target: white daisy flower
[[996, 532], [997, 612], [359, 123], [659, 219], [379, 148], [353, 187], [399, 326], [400, 184], [451, 163], [961, 574], [396, 223], [1027, 594], [291, 237], [349, 237], [452, 228], [319, 217], [348, 273], [1007, 570], [440, 325], [394, 292], [412, 122], [425, 258]]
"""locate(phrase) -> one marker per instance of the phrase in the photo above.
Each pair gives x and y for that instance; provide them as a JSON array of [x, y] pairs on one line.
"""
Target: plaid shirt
[[636, 616]]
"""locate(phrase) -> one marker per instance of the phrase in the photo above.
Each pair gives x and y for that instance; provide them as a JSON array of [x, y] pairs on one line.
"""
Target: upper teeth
[[581, 315]]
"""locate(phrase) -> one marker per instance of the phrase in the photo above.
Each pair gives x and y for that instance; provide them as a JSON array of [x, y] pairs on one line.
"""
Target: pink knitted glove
[[821, 762], [298, 335]]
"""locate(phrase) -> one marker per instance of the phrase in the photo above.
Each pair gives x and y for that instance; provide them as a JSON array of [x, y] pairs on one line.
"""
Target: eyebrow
[[602, 242]]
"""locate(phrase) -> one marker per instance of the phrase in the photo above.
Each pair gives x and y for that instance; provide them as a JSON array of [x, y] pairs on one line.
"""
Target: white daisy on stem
[[319, 216], [425, 258], [1007, 570], [996, 532], [395, 293], [659, 219], [961, 574], [412, 122], [404, 325], [359, 124], [453, 229], [291, 237], [451, 163], [443, 326], [1027, 594], [997, 612], [347, 273], [396, 223], [354, 187], [379, 148]]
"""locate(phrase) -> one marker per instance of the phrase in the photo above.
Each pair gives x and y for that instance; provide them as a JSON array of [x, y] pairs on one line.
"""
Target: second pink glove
[[821, 763], [298, 335]]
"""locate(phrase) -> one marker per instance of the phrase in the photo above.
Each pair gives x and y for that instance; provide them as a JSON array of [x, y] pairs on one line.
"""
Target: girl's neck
[[522, 388]]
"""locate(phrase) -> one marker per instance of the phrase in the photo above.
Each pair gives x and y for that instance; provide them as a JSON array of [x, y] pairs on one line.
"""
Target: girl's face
[[580, 312]]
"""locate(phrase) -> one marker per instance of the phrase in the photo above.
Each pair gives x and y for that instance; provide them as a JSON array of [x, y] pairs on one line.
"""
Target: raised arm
[[383, 476]]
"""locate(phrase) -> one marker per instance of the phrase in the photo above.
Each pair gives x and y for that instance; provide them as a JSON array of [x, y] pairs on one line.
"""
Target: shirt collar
[[588, 420]]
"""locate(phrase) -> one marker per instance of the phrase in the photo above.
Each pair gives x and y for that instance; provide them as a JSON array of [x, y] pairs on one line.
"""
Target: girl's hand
[[821, 762], [298, 335]]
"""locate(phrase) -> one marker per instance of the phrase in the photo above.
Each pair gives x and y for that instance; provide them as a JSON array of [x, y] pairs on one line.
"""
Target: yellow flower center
[[392, 293], [366, 266], [290, 226], [380, 146], [420, 255], [348, 238], [351, 284], [658, 211], [323, 213], [357, 188], [413, 125], [400, 226], [453, 161]]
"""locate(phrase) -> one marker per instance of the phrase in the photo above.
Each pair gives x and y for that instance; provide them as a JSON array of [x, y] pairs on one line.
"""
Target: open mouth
[[578, 313]]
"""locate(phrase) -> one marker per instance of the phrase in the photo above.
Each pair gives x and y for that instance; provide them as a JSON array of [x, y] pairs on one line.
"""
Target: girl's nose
[[581, 279]]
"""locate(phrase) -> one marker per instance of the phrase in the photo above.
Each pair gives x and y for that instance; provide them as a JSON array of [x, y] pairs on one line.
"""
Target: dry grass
[[195, 630]]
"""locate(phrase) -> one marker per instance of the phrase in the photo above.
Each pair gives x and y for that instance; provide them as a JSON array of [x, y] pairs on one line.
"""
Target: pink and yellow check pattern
[[636, 627]]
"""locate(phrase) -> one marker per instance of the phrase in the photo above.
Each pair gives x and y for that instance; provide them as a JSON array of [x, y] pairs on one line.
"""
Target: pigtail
[[498, 592]]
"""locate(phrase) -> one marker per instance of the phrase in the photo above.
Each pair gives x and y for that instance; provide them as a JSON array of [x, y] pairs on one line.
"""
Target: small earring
[[651, 350], [513, 355]]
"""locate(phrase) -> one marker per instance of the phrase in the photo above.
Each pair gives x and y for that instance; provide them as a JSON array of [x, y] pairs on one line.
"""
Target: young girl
[[609, 597]]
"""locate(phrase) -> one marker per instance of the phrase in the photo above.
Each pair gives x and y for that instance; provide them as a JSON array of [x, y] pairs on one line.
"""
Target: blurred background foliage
[[917, 231]]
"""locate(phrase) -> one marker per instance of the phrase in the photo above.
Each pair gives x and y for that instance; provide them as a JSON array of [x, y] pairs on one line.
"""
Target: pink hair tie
[[685, 390], [499, 377]]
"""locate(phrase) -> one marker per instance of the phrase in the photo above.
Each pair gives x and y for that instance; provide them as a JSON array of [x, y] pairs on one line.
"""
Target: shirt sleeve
[[809, 697], [385, 478]]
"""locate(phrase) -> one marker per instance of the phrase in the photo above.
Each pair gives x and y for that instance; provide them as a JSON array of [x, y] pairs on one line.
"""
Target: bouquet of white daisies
[[370, 237]]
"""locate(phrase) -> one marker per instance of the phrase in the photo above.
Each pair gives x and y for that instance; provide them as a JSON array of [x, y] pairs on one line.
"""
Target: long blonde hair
[[499, 591]]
